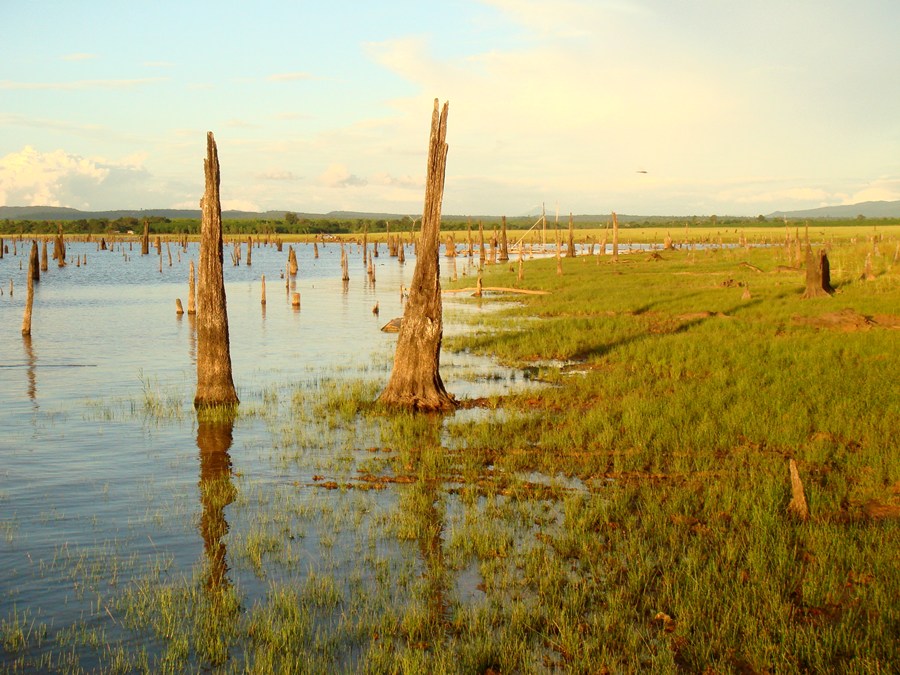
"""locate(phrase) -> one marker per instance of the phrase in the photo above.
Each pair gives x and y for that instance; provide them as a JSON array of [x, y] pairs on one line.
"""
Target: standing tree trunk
[[192, 291], [570, 252], [29, 297], [215, 386], [504, 244], [615, 251], [415, 381], [45, 262], [145, 240]]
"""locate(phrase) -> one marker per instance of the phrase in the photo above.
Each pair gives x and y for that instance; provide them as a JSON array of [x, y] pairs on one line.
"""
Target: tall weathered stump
[[415, 381], [215, 386]]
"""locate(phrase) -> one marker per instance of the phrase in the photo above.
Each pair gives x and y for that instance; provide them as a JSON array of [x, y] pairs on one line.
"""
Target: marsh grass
[[622, 509]]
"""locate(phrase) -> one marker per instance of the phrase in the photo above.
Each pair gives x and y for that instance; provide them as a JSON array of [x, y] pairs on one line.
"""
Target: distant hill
[[867, 209]]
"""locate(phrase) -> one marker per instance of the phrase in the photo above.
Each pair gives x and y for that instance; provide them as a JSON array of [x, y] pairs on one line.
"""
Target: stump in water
[[292, 262], [249, 251], [45, 263], [192, 291], [145, 240], [215, 386], [29, 297], [179, 310], [415, 381], [34, 270], [262, 300]]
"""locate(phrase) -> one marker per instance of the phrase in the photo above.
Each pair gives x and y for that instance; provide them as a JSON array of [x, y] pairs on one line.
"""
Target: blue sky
[[730, 107]]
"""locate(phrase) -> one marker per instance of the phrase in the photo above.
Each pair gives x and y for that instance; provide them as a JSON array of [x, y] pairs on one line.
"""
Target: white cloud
[[32, 178], [337, 176], [881, 189], [239, 205], [58, 178]]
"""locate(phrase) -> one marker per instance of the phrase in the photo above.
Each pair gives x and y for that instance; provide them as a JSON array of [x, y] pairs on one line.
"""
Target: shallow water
[[99, 444]]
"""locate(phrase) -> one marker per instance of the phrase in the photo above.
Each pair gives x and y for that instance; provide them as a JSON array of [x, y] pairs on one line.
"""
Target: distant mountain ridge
[[879, 209], [872, 209]]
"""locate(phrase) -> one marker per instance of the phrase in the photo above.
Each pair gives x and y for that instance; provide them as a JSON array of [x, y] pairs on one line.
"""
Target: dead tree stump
[[818, 275], [192, 291], [504, 244], [615, 244], [29, 296], [215, 386], [145, 240], [570, 251], [797, 505], [415, 381]]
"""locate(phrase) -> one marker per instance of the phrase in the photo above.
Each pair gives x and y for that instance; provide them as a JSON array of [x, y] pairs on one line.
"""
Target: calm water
[[92, 487]]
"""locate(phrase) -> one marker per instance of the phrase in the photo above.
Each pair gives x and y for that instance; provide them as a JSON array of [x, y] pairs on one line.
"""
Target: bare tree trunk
[[29, 297], [615, 251], [45, 262], [192, 291], [415, 380], [34, 268], [570, 252], [504, 244], [818, 273], [145, 240], [215, 386], [481, 255]]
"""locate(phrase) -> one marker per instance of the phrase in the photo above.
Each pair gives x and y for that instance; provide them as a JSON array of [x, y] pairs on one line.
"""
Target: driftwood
[[415, 380], [215, 386], [750, 267]]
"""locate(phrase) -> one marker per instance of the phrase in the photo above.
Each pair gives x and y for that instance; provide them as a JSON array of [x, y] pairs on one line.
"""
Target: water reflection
[[32, 375], [426, 513], [214, 438], [192, 339]]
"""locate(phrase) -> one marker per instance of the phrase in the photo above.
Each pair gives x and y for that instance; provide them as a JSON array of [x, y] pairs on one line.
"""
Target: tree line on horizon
[[294, 224]]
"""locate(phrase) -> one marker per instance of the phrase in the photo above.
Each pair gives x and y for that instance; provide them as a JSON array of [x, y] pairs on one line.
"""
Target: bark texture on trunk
[[818, 274], [29, 296], [415, 381], [504, 244], [215, 386]]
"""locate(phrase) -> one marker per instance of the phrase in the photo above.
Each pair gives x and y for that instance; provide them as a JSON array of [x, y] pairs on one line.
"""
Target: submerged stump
[[415, 381], [215, 386]]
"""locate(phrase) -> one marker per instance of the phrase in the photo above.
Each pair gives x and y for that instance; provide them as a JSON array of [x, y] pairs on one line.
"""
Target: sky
[[649, 107]]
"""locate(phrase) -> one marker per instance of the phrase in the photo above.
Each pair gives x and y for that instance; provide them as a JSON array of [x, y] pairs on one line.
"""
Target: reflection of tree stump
[[215, 386], [415, 380], [216, 492]]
